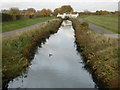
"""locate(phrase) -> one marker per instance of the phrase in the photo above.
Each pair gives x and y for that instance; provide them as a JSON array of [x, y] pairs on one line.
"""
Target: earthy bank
[[101, 55], [18, 50]]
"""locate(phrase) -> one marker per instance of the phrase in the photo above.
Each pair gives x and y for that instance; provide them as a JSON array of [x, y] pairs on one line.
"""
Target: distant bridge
[[68, 15]]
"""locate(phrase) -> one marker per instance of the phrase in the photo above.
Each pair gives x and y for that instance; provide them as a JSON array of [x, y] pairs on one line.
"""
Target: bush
[[84, 25], [6, 17]]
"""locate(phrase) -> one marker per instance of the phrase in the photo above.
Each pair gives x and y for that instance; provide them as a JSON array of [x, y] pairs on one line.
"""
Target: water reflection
[[56, 64]]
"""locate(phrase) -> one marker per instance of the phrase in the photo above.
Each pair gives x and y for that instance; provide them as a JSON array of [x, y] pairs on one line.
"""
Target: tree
[[38, 13], [56, 11], [102, 12], [66, 9], [5, 11], [31, 11], [86, 12], [45, 12], [24, 12], [49, 12], [117, 12], [14, 11]]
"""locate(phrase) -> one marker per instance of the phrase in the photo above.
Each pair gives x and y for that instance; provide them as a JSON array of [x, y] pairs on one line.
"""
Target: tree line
[[16, 13], [99, 12]]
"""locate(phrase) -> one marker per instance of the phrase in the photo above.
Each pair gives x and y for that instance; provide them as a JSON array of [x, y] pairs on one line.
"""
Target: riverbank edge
[[102, 79], [24, 47]]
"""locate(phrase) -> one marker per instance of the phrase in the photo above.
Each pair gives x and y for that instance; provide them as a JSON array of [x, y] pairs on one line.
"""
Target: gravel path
[[101, 30], [20, 30]]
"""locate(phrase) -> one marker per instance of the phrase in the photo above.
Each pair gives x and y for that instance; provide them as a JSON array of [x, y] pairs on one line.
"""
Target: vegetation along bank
[[101, 55], [18, 50]]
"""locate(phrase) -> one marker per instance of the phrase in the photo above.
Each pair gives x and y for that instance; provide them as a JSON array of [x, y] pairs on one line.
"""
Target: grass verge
[[18, 50], [101, 54], [109, 22], [17, 24]]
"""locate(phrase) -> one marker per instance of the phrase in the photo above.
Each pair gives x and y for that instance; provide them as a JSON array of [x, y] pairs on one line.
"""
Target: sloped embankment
[[101, 55], [19, 49]]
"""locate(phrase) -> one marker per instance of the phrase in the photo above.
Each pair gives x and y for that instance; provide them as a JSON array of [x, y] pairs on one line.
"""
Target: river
[[56, 64]]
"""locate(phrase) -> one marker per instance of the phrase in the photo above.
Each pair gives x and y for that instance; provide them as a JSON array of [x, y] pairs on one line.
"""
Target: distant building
[[68, 15]]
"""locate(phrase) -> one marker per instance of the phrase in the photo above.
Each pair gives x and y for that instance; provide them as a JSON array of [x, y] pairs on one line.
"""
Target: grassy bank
[[19, 49], [101, 54], [17, 24], [109, 22]]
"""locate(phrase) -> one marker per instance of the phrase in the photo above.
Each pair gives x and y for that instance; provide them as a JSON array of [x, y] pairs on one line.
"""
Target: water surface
[[56, 64]]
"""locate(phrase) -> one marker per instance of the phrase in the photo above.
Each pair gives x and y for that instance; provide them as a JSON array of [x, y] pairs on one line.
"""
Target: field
[[17, 24], [109, 22], [100, 52]]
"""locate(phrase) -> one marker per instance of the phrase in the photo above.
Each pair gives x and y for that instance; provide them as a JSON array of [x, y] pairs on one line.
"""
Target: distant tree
[[14, 11], [45, 12], [101, 12], [74, 12], [49, 12], [97, 12], [117, 12], [24, 12], [31, 11], [5, 11], [66, 9], [56, 11], [112, 12], [86, 12], [38, 13]]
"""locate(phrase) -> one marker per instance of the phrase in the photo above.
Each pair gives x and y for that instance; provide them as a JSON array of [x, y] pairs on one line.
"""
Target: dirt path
[[20, 30], [101, 30]]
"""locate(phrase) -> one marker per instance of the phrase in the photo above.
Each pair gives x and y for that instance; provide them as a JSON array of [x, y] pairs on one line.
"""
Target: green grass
[[17, 24], [109, 22], [17, 50], [101, 54]]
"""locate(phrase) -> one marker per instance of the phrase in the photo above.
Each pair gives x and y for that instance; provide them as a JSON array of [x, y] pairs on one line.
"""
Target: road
[[93, 27], [101, 30], [20, 30]]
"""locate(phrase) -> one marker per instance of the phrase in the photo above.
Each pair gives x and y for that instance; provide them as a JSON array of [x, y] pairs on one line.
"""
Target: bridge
[[68, 15]]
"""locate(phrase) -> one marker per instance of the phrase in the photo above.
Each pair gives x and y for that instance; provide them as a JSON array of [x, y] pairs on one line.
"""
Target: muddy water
[[56, 64]]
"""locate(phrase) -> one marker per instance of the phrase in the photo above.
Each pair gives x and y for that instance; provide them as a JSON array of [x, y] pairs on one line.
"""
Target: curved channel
[[56, 64]]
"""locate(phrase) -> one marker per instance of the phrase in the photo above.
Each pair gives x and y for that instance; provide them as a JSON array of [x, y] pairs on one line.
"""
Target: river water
[[56, 64]]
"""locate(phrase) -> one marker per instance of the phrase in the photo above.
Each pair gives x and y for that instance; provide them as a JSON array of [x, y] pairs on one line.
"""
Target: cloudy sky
[[78, 5]]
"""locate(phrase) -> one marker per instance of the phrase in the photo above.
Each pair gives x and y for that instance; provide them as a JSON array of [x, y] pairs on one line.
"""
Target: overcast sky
[[78, 5]]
